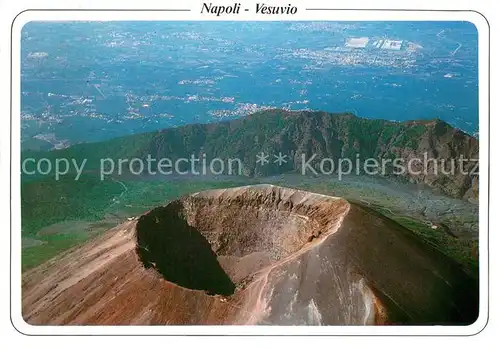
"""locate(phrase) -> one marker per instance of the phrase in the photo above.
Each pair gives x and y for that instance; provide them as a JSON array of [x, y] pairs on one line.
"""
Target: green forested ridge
[[92, 205]]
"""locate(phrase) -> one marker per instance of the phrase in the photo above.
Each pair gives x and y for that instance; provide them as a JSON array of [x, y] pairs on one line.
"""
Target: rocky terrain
[[304, 133], [252, 255]]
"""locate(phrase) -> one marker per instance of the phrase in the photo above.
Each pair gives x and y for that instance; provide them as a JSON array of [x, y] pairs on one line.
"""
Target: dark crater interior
[[180, 252], [213, 243]]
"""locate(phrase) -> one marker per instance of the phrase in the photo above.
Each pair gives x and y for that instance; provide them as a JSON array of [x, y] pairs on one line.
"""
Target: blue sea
[[90, 81]]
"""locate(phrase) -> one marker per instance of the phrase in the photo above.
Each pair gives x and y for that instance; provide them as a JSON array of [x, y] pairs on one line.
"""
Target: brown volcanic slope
[[252, 255]]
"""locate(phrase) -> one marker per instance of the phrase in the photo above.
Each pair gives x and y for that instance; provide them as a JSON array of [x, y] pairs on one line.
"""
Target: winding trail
[[125, 189]]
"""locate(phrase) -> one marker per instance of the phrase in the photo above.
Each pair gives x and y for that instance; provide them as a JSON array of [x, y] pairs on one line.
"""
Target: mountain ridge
[[332, 136]]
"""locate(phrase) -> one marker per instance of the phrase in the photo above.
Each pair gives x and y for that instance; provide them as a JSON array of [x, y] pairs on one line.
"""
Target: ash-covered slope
[[252, 255]]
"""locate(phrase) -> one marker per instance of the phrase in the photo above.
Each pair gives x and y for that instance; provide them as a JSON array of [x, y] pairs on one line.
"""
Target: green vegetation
[[410, 136], [464, 251], [98, 205], [55, 244], [145, 195], [272, 130], [89, 207], [62, 214], [48, 201]]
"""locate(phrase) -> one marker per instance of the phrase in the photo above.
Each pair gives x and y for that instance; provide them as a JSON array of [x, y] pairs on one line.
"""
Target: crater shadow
[[180, 252]]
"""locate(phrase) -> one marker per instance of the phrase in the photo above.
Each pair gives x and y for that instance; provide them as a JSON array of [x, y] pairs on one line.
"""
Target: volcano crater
[[214, 240]]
